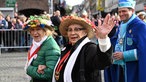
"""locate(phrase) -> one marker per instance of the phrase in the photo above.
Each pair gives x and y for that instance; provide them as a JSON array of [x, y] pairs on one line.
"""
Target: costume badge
[[130, 31], [129, 41], [121, 41]]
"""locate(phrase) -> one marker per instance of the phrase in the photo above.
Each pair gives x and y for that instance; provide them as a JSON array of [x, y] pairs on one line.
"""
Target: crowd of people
[[11, 33], [74, 48]]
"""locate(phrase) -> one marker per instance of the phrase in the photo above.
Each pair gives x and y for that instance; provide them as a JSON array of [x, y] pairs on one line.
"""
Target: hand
[[118, 55], [1, 24], [41, 69], [12, 28], [103, 29]]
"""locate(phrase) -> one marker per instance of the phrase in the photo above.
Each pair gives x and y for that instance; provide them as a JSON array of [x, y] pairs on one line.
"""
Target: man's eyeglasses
[[75, 30]]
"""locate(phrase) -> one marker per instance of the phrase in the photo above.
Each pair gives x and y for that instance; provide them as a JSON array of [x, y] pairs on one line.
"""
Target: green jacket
[[47, 55]]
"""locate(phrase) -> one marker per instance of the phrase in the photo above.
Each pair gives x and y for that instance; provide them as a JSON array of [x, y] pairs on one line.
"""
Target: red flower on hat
[[90, 23]]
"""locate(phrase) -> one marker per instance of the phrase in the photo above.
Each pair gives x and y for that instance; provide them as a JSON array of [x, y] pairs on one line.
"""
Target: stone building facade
[[29, 7]]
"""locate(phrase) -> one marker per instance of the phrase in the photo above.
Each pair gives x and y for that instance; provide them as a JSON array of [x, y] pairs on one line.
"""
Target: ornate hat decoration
[[40, 21], [127, 3], [69, 20]]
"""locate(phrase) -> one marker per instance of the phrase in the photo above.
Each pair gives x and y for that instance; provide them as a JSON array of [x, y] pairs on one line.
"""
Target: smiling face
[[75, 32], [37, 33], [125, 13]]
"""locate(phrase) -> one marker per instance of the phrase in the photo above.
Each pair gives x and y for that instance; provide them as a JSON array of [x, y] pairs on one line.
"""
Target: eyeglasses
[[75, 29]]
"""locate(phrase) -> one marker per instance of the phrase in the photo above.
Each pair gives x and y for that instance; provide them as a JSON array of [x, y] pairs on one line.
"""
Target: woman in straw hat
[[80, 57], [142, 15], [44, 52]]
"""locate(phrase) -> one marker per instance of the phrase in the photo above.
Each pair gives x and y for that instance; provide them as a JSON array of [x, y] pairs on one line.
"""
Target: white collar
[[37, 44]]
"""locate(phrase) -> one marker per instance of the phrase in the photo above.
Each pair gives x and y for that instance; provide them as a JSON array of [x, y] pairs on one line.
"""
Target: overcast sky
[[73, 2]]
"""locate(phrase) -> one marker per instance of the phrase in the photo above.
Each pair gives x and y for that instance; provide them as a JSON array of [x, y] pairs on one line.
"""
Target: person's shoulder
[[137, 22], [90, 44], [50, 43], [138, 26], [4, 21], [50, 38], [52, 17]]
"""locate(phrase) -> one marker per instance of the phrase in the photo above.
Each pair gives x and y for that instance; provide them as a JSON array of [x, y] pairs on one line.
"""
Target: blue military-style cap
[[127, 3]]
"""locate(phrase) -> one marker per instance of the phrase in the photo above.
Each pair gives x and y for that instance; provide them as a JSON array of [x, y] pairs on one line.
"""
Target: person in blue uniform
[[129, 55]]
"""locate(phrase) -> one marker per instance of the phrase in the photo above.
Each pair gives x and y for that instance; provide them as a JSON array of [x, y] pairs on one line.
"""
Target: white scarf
[[34, 47], [71, 62]]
